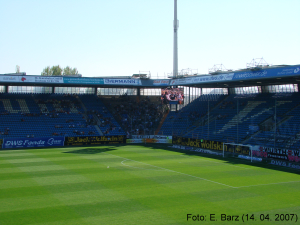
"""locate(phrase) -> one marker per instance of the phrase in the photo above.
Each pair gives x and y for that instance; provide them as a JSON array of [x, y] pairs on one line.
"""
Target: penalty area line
[[215, 162], [269, 184], [172, 171]]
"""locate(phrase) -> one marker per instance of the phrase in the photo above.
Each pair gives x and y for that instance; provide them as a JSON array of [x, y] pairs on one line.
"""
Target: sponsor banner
[[276, 153], [281, 154], [244, 75], [140, 136], [155, 83], [151, 136], [95, 140], [161, 82], [181, 81], [44, 79], [261, 154], [249, 158], [178, 146], [193, 142], [83, 80], [181, 147], [293, 70], [285, 164], [134, 141], [294, 158], [267, 73], [203, 79], [10, 78], [250, 75], [213, 78], [31, 79], [241, 150], [196, 150], [207, 151], [122, 81], [150, 140], [28, 79], [158, 141], [33, 142], [211, 145]]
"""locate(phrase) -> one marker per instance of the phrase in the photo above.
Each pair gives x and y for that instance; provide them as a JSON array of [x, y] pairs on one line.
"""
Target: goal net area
[[238, 150], [218, 148], [223, 149]]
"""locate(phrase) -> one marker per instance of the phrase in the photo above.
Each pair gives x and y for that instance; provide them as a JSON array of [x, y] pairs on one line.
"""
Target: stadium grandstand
[[257, 105]]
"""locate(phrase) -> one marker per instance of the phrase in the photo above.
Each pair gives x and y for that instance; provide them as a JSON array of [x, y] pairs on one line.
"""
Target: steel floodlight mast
[[175, 44]]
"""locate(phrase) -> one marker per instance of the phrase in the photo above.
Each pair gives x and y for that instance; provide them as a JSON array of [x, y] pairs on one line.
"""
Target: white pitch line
[[133, 166], [215, 162], [173, 171], [196, 176], [246, 169], [269, 184]]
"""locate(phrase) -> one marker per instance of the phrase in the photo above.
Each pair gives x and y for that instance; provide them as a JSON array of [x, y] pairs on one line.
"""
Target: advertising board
[[122, 81], [211, 145], [95, 140], [150, 140], [33, 142], [83, 80]]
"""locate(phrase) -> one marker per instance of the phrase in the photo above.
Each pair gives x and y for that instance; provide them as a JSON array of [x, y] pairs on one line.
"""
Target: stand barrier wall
[[60, 141], [211, 145], [273, 156]]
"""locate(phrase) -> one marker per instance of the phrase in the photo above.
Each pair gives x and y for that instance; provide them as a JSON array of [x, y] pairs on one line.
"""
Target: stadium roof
[[247, 83], [256, 76]]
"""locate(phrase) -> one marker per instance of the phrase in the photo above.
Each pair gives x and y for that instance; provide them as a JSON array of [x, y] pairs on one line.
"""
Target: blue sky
[[120, 38]]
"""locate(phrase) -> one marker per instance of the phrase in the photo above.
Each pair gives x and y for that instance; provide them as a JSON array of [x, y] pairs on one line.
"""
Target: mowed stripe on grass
[[134, 185]]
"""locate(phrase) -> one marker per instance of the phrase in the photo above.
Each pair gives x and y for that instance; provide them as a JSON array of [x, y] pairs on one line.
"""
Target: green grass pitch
[[136, 184]]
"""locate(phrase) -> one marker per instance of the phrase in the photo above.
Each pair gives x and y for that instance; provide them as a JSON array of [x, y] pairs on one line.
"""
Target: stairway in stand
[[161, 122]]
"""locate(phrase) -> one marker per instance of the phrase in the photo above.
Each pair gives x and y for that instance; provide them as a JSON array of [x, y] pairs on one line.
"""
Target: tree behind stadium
[[58, 71]]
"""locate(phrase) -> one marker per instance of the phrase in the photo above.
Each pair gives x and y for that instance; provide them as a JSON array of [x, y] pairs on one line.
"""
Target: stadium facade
[[257, 105]]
